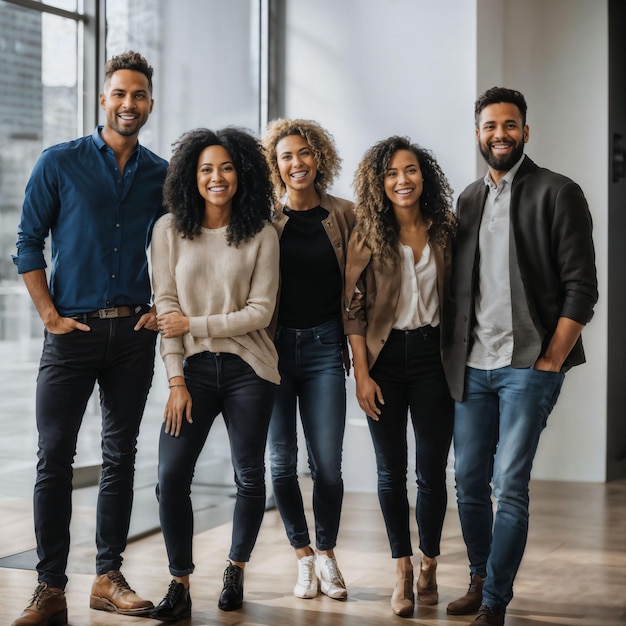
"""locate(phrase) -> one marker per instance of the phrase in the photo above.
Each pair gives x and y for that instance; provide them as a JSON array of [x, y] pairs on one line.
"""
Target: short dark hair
[[129, 60], [500, 94]]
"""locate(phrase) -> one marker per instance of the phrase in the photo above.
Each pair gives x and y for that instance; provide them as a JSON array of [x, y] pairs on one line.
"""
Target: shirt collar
[[100, 143], [507, 178]]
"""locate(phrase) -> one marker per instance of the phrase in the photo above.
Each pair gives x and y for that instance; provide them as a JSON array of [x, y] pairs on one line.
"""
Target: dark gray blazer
[[551, 263]]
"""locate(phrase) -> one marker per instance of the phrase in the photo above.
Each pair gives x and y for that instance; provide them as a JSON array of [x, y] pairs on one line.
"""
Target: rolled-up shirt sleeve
[[39, 212]]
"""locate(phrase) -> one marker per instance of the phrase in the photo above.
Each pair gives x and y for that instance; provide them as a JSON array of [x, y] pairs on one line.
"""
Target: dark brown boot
[[47, 608], [471, 601]]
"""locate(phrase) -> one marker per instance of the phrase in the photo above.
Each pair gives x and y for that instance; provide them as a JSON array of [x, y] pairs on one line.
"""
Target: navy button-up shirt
[[100, 223]]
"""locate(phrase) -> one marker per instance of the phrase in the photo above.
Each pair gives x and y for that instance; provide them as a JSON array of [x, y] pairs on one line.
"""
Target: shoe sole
[[102, 604]]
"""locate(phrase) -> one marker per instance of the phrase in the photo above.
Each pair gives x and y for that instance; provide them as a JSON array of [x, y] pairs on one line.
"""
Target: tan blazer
[[371, 295]]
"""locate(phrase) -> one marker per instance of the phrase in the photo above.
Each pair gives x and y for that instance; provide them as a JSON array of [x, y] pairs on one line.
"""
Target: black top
[[311, 285]]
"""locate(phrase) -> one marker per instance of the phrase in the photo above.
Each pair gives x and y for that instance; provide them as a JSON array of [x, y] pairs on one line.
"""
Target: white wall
[[366, 69], [556, 53], [204, 78]]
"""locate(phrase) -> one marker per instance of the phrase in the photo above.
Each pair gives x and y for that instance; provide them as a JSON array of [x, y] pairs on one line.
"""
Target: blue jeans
[[496, 434], [312, 376], [121, 360], [218, 383], [410, 375]]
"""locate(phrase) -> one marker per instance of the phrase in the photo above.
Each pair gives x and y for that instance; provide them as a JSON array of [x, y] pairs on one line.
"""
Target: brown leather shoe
[[47, 608], [471, 601], [110, 592], [488, 617]]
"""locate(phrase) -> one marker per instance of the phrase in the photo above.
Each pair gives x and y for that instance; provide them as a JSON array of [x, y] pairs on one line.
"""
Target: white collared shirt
[[493, 331], [419, 301]]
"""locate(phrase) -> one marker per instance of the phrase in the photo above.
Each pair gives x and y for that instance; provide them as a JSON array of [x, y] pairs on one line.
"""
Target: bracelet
[[178, 385]]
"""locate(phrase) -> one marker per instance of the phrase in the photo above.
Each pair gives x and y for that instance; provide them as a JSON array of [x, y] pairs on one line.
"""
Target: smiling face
[[403, 181], [217, 178], [501, 135], [127, 102], [296, 163]]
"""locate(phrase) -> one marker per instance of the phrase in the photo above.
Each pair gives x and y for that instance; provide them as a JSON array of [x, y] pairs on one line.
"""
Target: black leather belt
[[112, 313]]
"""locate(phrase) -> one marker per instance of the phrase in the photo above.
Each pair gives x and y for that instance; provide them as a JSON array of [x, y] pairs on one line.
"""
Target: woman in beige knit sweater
[[215, 273]]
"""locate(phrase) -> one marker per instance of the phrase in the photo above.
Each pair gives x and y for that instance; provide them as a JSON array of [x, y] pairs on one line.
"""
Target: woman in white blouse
[[397, 269]]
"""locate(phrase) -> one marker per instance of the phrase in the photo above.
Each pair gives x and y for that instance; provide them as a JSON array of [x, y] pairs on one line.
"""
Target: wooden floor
[[573, 573]]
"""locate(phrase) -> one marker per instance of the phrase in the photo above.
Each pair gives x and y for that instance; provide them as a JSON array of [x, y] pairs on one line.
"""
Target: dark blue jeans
[[496, 434], [411, 378], [121, 360], [312, 378], [218, 383]]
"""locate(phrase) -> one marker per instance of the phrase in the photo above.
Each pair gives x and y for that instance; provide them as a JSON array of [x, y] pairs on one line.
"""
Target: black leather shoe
[[175, 606], [487, 616], [231, 597]]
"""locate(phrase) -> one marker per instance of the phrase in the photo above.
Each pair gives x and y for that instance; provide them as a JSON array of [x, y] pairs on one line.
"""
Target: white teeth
[[404, 192], [216, 189], [299, 174]]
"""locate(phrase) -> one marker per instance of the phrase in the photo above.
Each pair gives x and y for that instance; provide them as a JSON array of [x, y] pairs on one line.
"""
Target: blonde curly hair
[[322, 145], [375, 218]]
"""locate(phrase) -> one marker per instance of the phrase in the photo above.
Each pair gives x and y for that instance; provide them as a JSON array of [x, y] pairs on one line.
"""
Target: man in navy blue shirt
[[98, 198]]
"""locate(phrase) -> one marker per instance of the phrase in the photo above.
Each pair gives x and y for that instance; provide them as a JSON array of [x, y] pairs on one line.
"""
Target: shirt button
[[112, 275], [117, 225], [114, 249]]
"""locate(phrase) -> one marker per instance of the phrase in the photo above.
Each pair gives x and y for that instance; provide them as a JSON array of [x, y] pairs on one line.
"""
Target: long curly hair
[[322, 145], [375, 218], [253, 201]]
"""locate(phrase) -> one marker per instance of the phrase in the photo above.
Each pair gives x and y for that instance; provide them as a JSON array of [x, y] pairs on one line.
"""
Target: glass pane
[[205, 58], [38, 107], [67, 5]]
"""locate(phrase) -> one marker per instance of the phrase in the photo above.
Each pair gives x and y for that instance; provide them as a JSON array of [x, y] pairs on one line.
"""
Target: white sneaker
[[331, 580], [306, 585]]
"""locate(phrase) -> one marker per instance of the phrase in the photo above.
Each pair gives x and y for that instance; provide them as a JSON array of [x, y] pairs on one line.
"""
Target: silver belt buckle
[[105, 314]]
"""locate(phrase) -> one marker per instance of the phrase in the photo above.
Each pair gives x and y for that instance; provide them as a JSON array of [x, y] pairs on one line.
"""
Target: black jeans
[[411, 377], [218, 383], [121, 360]]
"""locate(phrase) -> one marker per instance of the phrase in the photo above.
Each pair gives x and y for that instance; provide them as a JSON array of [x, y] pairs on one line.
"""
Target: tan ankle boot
[[403, 598], [427, 585]]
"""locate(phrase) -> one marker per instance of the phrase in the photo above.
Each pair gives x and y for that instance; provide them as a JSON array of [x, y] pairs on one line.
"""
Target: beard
[[502, 163]]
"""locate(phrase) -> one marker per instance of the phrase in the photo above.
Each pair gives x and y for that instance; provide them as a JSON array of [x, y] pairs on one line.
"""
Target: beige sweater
[[227, 292]]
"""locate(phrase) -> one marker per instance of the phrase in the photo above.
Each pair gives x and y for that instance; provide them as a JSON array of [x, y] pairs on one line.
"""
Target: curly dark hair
[[375, 218], [322, 145], [500, 94], [129, 61], [252, 203]]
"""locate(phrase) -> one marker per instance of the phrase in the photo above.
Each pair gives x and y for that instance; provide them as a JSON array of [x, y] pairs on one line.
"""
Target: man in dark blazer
[[523, 287]]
